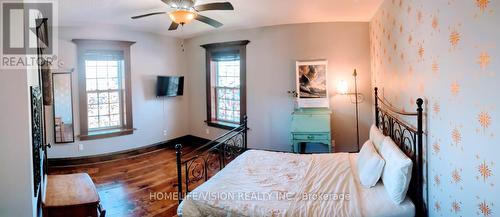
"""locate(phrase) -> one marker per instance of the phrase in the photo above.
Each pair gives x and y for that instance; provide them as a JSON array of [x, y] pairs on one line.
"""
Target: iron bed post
[[376, 107], [186, 171], [221, 157], [178, 154], [420, 169], [245, 131], [388, 127]]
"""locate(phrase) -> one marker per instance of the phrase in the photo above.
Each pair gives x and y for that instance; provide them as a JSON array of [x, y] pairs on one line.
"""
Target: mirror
[[63, 107]]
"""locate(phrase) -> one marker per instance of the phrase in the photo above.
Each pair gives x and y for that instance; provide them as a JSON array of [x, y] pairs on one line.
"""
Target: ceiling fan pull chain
[[182, 39]]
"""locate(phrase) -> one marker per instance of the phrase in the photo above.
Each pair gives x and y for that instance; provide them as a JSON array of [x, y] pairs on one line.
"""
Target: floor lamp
[[355, 75], [358, 97]]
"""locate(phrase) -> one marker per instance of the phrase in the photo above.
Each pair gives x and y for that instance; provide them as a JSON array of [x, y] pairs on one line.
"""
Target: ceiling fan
[[186, 11]]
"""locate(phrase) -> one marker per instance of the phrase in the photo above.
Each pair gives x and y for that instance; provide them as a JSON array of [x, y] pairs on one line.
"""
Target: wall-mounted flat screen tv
[[170, 86]]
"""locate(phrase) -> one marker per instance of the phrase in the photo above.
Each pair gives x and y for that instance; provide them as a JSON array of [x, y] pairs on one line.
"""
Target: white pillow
[[370, 165], [397, 170], [377, 137]]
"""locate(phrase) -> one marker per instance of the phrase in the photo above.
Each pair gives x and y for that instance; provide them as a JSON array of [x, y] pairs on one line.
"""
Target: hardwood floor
[[125, 185]]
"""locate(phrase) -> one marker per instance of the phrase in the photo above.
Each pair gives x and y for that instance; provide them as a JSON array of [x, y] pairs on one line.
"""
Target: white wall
[[271, 57], [16, 165], [151, 55]]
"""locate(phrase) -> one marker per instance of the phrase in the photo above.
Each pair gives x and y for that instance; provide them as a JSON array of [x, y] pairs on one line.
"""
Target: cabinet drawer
[[311, 137], [311, 123]]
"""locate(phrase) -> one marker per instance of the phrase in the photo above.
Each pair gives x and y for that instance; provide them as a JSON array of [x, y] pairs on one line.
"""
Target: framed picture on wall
[[312, 85]]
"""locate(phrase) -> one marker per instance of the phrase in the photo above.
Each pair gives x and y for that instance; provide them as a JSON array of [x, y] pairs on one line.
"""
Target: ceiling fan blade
[[214, 6], [179, 4], [173, 26], [208, 21], [168, 2], [146, 15]]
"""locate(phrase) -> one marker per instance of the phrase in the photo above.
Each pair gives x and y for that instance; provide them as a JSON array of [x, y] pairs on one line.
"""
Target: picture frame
[[312, 84]]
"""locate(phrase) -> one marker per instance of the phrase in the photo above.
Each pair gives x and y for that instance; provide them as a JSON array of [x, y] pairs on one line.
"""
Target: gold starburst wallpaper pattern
[[484, 170], [456, 136], [437, 180], [483, 60], [436, 147], [435, 67], [484, 119], [484, 208], [434, 49], [455, 176], [482, 4], [455, 206], [454, 38], [455, 88], [437, 206]]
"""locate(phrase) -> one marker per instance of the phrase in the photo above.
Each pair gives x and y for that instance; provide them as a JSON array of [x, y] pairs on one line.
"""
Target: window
[[227, 91], [104, 88], [226, 66]]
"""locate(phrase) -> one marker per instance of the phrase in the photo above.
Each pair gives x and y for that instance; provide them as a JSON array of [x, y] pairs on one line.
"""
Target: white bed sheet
[[373, 202]]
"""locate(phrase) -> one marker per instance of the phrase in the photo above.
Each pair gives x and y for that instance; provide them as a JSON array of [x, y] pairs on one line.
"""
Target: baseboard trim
[[74, 161]]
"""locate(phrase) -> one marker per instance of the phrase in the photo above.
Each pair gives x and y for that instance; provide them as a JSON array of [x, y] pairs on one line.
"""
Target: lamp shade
[[342, 87], [182, 16]]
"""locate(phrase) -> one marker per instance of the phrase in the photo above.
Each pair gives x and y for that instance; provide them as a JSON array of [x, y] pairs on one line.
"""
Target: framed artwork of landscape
[[312, 85]]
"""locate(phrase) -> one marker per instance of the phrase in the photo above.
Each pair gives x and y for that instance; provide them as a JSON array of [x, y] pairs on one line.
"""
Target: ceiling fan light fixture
[[182, 16]]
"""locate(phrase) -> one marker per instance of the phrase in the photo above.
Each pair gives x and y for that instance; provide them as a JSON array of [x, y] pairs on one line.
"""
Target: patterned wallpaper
[[447, 52]]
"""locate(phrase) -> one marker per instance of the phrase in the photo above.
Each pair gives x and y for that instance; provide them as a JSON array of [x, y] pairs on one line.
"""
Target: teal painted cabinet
[[311, 125]]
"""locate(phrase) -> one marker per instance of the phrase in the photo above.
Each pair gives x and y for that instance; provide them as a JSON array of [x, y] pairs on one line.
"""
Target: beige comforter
[[262, 183]]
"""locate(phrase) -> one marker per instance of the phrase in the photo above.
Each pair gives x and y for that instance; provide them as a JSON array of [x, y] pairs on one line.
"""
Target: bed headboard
[[410, 141]]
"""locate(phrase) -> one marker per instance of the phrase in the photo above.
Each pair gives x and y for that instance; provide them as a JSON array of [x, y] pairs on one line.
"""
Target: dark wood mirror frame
[[61, 140]]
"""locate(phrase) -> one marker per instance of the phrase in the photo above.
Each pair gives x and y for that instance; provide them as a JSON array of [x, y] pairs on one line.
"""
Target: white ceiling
[[247, 14]]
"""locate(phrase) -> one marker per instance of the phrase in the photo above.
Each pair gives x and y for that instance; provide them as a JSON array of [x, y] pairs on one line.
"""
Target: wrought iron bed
[[205, 161], [410, 141], [202, 163]]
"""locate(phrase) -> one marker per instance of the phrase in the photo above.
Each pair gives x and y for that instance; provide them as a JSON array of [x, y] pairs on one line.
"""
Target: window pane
[[113, 97], [223, 105], [90, 71], [112, 63], [113, 84], [93, 122], [93, 110], [237, 94], [90, 63], [114, 108], [102, 72], [102, 84], [104, 109], [104, 121], [102, 63], [91, 84], [113, 71], [91, 98], [115, 120], [103, 98]]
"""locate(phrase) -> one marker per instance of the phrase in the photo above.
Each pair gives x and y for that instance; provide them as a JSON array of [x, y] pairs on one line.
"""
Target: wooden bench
[[71, 195]]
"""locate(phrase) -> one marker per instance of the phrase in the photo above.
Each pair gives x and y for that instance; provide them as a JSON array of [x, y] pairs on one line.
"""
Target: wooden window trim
[[226, 46], [89, 44]]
